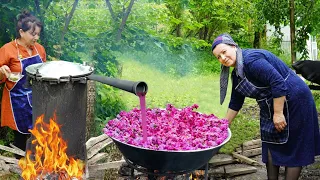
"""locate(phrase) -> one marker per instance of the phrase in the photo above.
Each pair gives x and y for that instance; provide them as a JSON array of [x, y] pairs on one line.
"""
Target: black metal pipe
[[137, 88]]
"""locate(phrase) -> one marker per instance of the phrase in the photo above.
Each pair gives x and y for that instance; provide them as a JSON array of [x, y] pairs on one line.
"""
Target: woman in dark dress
[[288, 117]]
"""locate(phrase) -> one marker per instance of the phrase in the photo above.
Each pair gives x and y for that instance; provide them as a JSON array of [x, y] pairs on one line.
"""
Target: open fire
[[50, 160]]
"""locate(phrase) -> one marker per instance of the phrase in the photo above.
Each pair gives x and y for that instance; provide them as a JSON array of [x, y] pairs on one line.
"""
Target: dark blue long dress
[[263, 69]]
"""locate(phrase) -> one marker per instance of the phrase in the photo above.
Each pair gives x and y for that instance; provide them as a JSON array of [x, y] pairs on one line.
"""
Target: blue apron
[[264, 98], [21, 97]]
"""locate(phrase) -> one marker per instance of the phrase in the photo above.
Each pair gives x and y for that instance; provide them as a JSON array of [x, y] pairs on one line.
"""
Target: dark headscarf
[[224, 74]]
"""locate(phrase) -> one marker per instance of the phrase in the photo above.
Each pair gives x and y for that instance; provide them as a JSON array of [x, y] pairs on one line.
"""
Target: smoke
[[177, 61]]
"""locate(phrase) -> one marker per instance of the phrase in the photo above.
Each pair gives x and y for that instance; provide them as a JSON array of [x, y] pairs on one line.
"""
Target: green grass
[[181, 92]]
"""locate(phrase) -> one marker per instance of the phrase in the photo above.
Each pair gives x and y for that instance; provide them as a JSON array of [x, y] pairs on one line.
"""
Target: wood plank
[[18, 149], [252, 142], [97, 158], [4, 166], [15, 169], [240, 171], [12, 150], [9, 159], [230, 172], [221, 161], [244, 148], [94, 140], [108, 165], [97, 147], [251, 152]]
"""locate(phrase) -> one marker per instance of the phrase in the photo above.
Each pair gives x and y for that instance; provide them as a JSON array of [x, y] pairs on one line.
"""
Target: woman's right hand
[[5, 71], [279, 121]]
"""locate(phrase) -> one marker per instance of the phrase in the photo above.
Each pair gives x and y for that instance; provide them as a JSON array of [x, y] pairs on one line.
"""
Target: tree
[[68, 17], [302, 15], [292, 32], [124, 16]]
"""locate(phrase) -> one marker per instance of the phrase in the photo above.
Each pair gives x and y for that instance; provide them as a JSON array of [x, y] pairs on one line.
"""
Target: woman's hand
[[4, 71], [231, 114], [279, 121]]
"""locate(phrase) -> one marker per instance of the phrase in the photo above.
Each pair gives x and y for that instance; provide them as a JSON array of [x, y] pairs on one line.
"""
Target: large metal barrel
[[63, 97]]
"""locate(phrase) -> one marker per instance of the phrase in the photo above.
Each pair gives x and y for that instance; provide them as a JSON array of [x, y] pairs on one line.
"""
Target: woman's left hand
[[279, 122]]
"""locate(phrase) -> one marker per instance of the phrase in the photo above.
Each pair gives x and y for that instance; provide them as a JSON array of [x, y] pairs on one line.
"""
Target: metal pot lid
[[58, 70]]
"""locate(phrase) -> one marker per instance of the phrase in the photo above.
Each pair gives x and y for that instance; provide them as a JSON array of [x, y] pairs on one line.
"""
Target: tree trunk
[[66, 25], [292, 32], [256, 40], [37, 7], [201, 33], [91, 96], [178, 32], [40, 14], [124, 20], [205, 33], [111, 10]]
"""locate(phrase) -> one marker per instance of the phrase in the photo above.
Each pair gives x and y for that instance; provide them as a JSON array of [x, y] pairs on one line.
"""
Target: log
[[97, 157], [9, 159], [12, 150], [94, 140], [221, 161], [251, 152], [97, 147], [108, 165], [246, 159]]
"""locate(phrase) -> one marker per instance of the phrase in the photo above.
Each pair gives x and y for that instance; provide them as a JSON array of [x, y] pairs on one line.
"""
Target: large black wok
[[168, 161]]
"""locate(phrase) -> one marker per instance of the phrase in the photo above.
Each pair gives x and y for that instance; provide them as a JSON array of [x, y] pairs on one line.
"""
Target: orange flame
[[50, 156], [195, 175]]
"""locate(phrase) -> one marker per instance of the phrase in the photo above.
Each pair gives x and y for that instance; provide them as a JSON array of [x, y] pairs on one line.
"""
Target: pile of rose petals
[[169, 129]]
